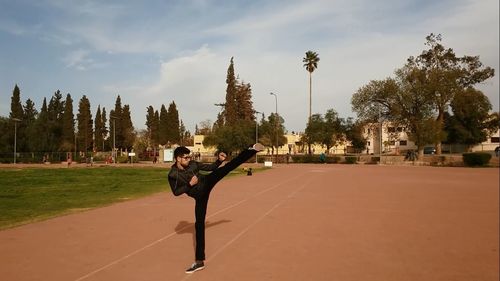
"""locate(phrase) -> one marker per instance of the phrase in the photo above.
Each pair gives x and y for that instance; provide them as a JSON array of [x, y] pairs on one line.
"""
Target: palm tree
[[310, 63]]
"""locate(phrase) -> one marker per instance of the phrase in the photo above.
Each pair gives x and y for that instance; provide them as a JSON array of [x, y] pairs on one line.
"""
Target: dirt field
[[296, 222]]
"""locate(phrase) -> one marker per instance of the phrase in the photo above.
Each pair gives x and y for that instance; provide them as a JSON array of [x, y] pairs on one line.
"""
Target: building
[[390, 139]]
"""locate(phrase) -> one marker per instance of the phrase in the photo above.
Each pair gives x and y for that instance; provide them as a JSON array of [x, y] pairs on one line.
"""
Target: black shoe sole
[[193, 271]]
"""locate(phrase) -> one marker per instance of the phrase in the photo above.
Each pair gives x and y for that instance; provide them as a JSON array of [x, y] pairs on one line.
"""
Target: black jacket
[[179, 179]]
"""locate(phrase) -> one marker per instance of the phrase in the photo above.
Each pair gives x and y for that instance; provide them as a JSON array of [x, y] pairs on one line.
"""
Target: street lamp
[[276, 122], [15, 137], [257, 129]]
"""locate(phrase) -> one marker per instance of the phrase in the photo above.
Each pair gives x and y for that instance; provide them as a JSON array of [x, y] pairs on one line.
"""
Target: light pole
[[257, 130], [15, 137], [276, 122]]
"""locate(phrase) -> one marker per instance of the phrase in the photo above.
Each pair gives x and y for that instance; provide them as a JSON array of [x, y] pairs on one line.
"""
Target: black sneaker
[[195, 267]]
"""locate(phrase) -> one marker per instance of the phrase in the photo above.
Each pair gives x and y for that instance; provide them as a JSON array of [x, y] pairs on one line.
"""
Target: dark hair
[[180, 151]]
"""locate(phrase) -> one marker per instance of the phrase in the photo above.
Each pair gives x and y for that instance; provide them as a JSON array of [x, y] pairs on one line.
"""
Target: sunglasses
[[186, 157]]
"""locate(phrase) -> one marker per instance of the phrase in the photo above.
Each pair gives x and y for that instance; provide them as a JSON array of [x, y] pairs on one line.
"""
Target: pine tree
[[30, 115], [112, 130], [85, 130], [104, 131], [182, 131], [98, 128], [68, 126], [127, 128], [55, 112], [156, 129], [163, 126], [244, 102], [41, 130], [231, 109], [150, 120], [16, 124], [173, 134], [16, 108], [235, 127], [115, 117], [29, 118]]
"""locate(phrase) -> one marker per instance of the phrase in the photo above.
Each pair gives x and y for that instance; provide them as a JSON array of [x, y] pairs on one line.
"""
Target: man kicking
[[184, 177]]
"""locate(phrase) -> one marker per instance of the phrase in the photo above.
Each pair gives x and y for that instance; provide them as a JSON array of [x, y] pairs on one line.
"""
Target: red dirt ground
[[296, 222]]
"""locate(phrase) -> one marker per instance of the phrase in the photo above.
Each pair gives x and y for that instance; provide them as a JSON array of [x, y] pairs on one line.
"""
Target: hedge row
[[476, 159]]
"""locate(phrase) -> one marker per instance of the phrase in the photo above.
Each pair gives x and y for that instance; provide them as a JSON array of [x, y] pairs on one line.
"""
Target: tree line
[[418, 98], [420, 94], [55, 129]]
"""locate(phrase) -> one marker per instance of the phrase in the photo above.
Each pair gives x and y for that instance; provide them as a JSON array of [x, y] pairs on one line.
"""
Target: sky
[[154, 52]]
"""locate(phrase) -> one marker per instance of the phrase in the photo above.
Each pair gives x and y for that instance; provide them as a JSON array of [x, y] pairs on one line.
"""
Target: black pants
[[208, 183]]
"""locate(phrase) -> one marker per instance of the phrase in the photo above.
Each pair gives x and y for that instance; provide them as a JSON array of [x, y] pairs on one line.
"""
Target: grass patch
[[28, 195], [31, 194]]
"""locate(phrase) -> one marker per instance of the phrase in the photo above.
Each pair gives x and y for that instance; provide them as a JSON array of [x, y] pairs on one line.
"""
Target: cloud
[[80, 60], [356, 40], [195, 81]]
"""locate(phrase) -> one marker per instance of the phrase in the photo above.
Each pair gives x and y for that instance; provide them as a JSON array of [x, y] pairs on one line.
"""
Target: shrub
[[476, 159], [351, 159], [332, 159]]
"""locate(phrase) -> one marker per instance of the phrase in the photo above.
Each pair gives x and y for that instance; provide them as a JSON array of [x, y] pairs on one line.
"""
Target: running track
[[296, 222]]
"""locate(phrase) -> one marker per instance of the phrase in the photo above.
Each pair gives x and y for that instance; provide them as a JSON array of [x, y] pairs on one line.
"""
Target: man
[[184, 177]]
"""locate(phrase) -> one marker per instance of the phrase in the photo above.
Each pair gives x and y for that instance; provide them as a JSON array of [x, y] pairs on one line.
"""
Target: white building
[[394, 140]]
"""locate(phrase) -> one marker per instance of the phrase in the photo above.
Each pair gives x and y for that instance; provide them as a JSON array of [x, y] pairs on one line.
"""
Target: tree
[[115, 126], [99, 129], [4, 136], [471, 122], [403, 101], [231, 106], [30, 115], [68, 126], [186, 138], [173, 126], [354, 133], [244, 104], [106, 146], [128, 132], [310, 63], [447, 75], [334, 129], [235, 128], [55, 111], [150, 123], [327, 131], [205, 128], [41, 130], [16, 116], [16, 107], [163, 125], [85, 130], [232, 138], [315, 130], [153, 127], [269, 131]]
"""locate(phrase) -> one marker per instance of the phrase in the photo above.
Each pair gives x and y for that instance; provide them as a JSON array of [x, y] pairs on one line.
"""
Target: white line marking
[[173, 233], [244, 231]]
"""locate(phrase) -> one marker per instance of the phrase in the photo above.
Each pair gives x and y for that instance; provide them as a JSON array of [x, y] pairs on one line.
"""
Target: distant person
[[322, 157], [497, 151], [184, 177]]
